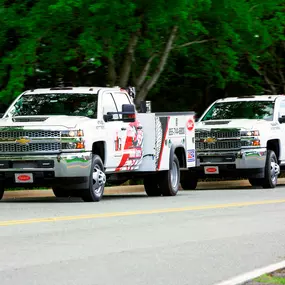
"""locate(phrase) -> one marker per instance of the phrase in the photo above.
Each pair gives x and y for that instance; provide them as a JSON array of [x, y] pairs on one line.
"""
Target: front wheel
[[97, 180], [169, 180], [188, 180], [272, 170], [189, 184]]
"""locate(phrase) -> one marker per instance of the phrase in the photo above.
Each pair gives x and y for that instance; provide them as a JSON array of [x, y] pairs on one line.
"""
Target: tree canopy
[[181, 54]]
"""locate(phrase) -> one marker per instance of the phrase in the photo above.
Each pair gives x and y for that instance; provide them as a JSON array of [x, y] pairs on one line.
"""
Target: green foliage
[[221, 47], [267, 279]]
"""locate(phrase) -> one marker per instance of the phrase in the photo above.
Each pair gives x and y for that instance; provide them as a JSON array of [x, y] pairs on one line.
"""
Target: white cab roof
[[72, 90], [251, 98]]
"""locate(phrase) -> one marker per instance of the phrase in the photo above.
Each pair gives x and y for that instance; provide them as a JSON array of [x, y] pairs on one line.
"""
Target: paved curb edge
[[240, 279], [129, 189]]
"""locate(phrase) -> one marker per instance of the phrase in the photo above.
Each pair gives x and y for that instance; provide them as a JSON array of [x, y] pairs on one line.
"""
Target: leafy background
[[180, 54]]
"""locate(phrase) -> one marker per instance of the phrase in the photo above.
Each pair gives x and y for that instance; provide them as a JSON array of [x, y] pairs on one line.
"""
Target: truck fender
[[181, 157]]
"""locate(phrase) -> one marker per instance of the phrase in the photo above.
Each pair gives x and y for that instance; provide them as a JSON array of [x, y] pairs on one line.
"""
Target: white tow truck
[[241, 137], [74, 139]]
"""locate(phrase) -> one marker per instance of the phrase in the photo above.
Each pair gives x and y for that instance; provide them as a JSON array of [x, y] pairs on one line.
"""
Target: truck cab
[[242, 137]]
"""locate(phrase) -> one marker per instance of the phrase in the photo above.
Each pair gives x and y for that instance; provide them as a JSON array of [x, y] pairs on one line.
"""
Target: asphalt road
[[195, 238]]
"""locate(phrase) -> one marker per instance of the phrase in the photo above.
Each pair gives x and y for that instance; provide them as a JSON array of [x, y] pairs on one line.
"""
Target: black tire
[[189, 184], [61, 193], [271, 171], [97, 181], [151, 186], [2, 190], [169, 180], [255, 182]]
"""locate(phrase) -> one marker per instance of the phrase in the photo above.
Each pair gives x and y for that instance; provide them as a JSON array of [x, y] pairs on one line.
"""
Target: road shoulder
[[131, 189], [249, 278]]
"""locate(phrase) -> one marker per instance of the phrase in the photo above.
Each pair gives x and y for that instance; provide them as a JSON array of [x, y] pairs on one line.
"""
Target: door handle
[[123, 129], [139, 127]]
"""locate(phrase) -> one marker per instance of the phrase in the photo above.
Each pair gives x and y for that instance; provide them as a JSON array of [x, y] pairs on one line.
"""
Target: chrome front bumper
[[62, 165], [243, 159]]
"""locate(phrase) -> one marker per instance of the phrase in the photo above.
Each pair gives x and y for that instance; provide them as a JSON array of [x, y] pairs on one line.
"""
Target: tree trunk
[[270, 84], [160, 67], [280, 71], [207, 96], [111, 73], [127, 63], [140, 80]]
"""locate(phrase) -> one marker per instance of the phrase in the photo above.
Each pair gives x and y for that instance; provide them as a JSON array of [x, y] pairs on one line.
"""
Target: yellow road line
[[135, 213]]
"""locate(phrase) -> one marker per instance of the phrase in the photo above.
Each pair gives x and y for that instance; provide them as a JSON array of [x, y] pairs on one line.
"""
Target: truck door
[[114, 132], [281, 113], [131, 134]]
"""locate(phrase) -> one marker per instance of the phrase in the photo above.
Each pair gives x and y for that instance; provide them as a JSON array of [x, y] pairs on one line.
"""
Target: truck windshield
[[241, 110], [69, 104]]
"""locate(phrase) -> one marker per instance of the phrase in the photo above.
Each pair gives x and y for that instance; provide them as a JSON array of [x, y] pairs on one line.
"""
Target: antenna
[[131, 91]]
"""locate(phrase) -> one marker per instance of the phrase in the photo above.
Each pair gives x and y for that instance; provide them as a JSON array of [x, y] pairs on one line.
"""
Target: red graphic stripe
[[162, 143], [123, 161], [125, 157], [130, 144]]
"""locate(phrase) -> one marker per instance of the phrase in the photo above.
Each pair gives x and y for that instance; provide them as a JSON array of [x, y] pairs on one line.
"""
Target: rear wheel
[[169, 180], [97, 181], [2, 190], [272, 170], [151, 186]]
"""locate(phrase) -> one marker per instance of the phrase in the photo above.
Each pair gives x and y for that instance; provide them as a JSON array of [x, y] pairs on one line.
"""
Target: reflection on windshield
[[241, 110], [68, 104]]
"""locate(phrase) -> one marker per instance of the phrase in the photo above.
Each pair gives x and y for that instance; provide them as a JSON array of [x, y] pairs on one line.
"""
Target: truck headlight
[[254, 133], [73, 145], [72, 133], [72, 140], [255, 142], [250, 138]]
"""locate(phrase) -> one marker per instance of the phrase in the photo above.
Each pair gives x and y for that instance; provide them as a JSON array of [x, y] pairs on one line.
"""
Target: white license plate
[[211, 170], [24, 178]]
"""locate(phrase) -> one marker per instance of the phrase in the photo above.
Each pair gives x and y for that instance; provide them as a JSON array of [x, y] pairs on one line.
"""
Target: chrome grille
[[41, 141], [29, 133], [218, 145], [225, 139], [217, 134], [32, 147]]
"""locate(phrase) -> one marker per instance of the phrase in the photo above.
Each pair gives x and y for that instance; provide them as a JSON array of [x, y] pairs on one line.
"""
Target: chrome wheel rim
[[99, 179], [174, 175], [274, 170]]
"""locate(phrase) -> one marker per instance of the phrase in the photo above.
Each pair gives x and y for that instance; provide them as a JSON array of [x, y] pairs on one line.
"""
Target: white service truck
[[241, 137], [74, 139]]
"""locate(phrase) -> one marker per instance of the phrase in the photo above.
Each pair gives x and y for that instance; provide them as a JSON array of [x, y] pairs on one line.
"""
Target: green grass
[[267, 279], [30, 188]]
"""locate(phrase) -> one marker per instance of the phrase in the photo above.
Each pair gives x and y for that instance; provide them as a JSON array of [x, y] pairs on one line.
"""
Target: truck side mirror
[[108, 117], [281, 120], [129, 113]]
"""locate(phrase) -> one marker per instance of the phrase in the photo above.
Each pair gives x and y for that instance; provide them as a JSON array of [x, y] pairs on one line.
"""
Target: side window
[[109, 105], [120, 99], [282, 109]]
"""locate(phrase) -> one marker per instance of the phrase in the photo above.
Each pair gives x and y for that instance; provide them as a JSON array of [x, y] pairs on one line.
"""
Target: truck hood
[[245, 124], [43, 121]]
